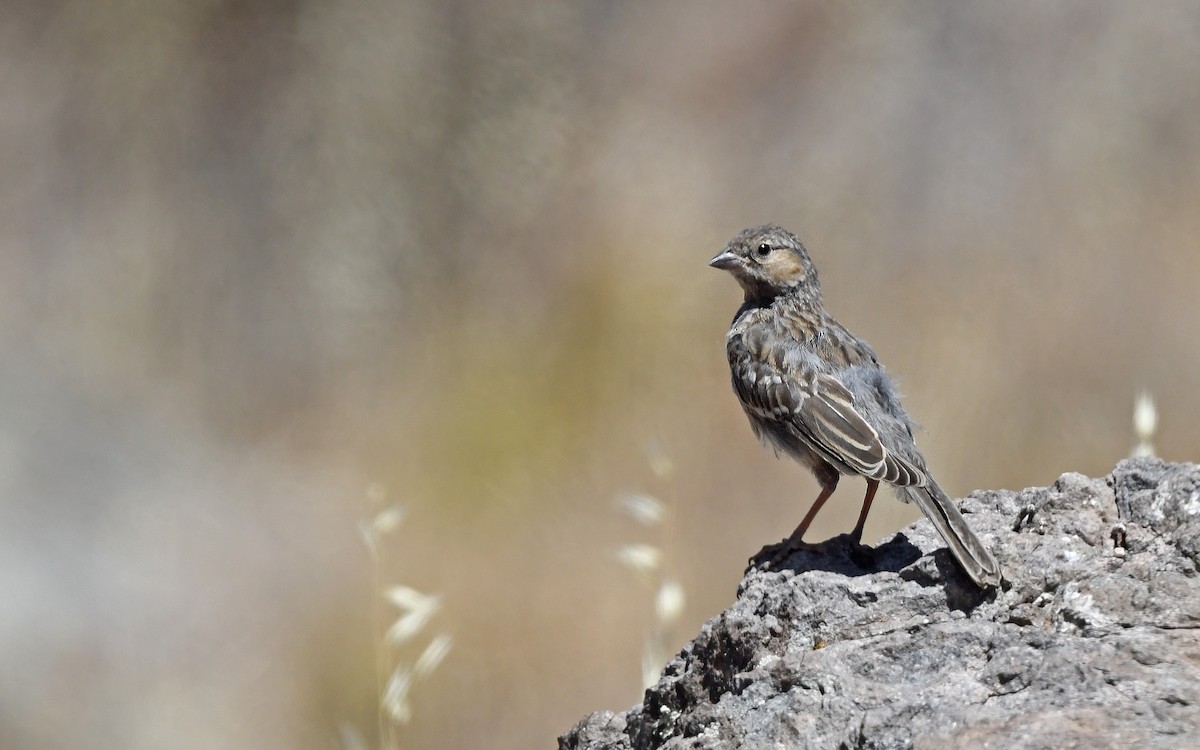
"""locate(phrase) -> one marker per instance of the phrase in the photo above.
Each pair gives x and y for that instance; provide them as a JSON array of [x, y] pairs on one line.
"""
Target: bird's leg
[[773, 554], [856, 535], [797, 536]]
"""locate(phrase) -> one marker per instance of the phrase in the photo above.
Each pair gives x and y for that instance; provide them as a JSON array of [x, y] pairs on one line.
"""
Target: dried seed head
[[668, 604], [642, 558], [1145, 420], [432, 656], [645, 509]]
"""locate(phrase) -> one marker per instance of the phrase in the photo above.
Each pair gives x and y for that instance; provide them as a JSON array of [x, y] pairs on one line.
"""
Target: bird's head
[[769, 261]]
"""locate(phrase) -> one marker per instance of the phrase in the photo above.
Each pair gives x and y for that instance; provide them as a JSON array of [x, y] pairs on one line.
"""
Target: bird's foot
[[772, 556], [862, 555]]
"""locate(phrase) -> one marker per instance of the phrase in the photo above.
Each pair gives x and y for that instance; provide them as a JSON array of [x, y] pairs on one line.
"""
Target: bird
[[817, 393]]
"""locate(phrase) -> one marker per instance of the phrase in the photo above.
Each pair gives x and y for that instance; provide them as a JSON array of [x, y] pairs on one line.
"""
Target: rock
[[1093, 640]]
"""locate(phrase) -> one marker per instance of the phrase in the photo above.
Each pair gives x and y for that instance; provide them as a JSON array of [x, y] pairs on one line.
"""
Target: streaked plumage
[[817, 392]]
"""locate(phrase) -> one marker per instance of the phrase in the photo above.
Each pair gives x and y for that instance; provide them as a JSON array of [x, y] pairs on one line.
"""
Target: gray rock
[[1093, 640]]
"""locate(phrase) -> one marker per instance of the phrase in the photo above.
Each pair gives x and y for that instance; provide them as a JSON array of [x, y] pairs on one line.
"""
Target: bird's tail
[[976, 560]]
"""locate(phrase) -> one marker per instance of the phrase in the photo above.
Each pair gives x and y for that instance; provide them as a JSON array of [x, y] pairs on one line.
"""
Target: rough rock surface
[[1093, 640]]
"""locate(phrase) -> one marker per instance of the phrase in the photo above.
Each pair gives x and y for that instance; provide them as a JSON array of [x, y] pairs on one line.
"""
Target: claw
[[772, 556]]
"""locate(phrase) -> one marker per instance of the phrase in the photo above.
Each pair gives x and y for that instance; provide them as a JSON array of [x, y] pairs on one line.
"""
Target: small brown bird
[[818, 393]]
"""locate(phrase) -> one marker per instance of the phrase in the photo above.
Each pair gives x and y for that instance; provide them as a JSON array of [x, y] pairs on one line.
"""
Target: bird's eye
[[763, 250]]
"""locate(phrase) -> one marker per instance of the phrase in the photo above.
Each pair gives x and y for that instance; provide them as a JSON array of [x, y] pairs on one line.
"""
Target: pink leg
[[798, 534], [872, 486]]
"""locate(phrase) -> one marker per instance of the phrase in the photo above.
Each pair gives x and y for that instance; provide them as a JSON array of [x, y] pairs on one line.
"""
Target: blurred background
[[269, 270]]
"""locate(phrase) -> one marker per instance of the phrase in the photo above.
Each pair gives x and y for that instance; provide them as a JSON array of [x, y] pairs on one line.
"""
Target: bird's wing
[[765, 392], [829, 418], [820, 411]]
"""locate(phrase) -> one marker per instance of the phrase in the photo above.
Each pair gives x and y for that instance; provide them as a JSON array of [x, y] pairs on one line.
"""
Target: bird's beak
[[725, 260]]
